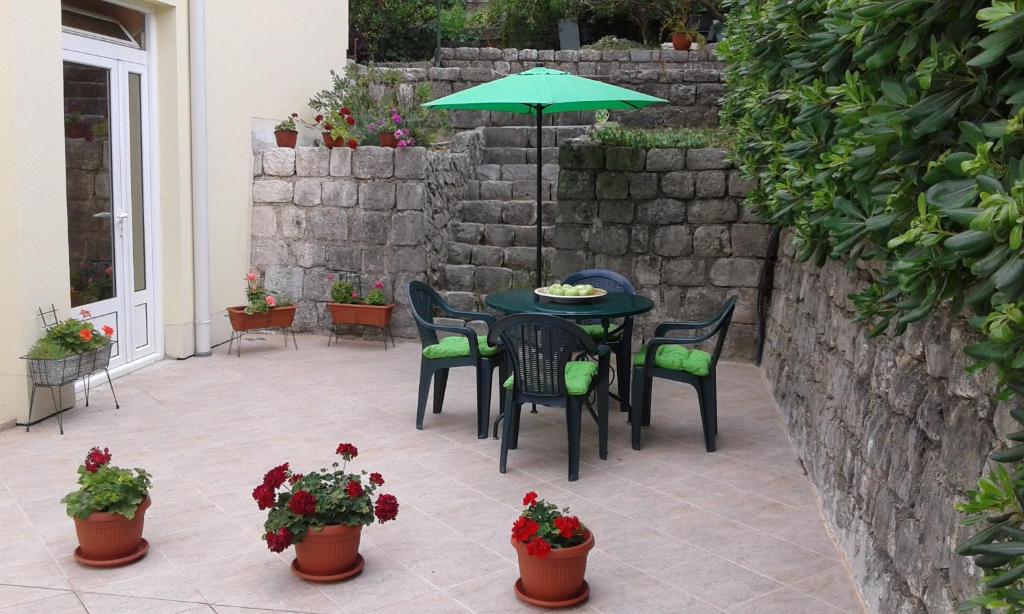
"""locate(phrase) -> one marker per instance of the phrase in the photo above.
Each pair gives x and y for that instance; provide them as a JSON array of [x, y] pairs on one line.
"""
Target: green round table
[[609, 306]]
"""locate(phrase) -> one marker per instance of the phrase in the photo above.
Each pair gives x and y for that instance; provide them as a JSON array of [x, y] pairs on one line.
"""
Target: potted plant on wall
[[286, 132], [347, 307], [109, 510], [683, 34], [390, 131], [266, 308], [323, 514], [338, 129], [552, 549]]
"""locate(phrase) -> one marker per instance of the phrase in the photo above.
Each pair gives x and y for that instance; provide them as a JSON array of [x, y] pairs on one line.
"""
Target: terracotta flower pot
[[387, 139], [681, 41], [286, 138], [277, 317], [330, 551], [330, 142], [105, 537], [368, 315], [556, 578]]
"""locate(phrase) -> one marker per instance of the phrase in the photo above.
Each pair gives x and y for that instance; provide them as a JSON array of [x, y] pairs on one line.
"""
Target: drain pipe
[[200, 209]]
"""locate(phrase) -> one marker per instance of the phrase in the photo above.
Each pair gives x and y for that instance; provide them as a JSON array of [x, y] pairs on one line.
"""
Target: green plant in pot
[[682, 33], [264, 308], [69, 350], [109, 509], [286, 132], [347, 307], [552, 549]]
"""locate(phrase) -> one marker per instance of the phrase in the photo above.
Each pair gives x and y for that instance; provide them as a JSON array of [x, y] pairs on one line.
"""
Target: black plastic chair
[[620, 337], [536, 350], [706, 386], [424, 301]]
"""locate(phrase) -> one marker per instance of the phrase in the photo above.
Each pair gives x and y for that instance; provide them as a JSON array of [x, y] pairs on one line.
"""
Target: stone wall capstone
[[891, 430], [671, 221]]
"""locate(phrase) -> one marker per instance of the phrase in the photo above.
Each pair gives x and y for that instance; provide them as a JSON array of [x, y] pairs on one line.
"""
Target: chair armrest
[[666, 327], [470, 316]]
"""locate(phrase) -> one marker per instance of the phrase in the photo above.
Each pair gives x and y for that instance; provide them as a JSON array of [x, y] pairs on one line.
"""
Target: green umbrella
[[538, 91]]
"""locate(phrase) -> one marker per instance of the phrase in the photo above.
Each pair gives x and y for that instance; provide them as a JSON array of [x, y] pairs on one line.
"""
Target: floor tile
[[783, 601], [717, 581]]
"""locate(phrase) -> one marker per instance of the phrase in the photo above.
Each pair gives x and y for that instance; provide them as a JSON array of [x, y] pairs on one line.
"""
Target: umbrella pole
[[540, 198]]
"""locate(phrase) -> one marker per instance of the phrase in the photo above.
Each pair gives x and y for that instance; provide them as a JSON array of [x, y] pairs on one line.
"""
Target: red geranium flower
[[538, 548], [108, 331], [345, 111], [85, 334], [567, 525], [354, 489], [96, 458], [277, 542], [295, 114], [386, 508], [523, 529], [352, 144], [264, 496], [319, 118], [302, 503], [276, 476], [347, 450], [376, 478], [530, 499], [351, 121], [295, 478]]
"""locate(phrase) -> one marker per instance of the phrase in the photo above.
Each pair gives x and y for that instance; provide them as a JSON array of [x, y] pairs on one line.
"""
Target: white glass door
[[106, 124]]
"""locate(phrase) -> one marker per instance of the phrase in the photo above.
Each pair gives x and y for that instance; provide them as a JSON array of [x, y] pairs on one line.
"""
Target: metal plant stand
[[336, 334], [236, 337]]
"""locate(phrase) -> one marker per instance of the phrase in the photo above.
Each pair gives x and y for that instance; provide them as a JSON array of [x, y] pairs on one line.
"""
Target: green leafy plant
[[298, 502], [527, 23], [891, 131], [674, 138], [106, 488], [613, 43], [259, 299], [395, 30], [288, 124], [69, 338], [344, 292], [376, 296], [542, 527]]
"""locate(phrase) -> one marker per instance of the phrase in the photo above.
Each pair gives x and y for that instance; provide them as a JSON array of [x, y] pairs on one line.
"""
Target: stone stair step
[[514, 212], [519, 155]]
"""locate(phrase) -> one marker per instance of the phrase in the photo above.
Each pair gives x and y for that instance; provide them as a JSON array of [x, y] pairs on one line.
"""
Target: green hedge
[[893, 131]]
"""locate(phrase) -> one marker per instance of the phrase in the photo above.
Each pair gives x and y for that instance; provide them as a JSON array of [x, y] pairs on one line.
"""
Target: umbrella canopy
[[538, 91]]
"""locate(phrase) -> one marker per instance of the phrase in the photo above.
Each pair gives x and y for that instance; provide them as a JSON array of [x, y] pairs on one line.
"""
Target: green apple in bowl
[[572, 291], [556, 290], [587, 290]]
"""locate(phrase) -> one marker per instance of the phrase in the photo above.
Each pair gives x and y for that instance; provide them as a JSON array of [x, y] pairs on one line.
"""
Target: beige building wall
[[265, 58]]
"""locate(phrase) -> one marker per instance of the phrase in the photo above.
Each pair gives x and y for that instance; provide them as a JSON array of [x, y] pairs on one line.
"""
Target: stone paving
[[678, 530]]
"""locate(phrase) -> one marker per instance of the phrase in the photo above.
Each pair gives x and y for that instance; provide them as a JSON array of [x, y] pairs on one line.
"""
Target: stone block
[[506, 136], [439, 73], [625, 159], [377, 195], [672, 241], [489, 172], [345, 257], [410, 195], [268, 251], [491, 279], [567, 55], [736, 272], [709, 184], [490, 53], [467, 232], [499, 234], [482, 211], [521, 257], [663, 160], [408, 228], [647, 270], [643, 186], [287, 280], [293, 222], [459, 253], [702, 75], [685, 272], [616, 211], [641, 55], [740, 185], [661, 211], [610, 239], [712, 211], [682, 95], [710, 94], [477, 74], [307, 192], [750, 239], [495, 190], [264, 222], [527, 190], [519, 212], [711, 241], [545, 55], [372, 162], [575, 184], [407, 259], [581, 155], [411, 163], [307, 254], [575, 212], [312, 161], [679, 184], [639, 238], [329, 223], [467, 53], [706, 159], [271, 191], [570, 237], [340, 193], [615, 55], [528, 55], [279, 161], [505, 155], [370, 226], [488, 255], [612, 186], [341, 162]]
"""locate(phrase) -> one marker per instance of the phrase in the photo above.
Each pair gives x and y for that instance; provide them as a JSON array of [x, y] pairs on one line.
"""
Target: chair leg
[[636, 408], [710, 409], [705, 419], [421, 405], [440, 384], [622, 367], [573, 423], [506, 434], [648, 389], [484, 380], [602, 409]]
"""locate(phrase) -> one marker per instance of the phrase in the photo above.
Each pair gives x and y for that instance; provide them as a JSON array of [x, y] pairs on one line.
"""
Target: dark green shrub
[[395, 30], [891, 130]]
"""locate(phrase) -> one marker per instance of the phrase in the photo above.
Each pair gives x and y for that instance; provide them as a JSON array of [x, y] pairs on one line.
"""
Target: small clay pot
[[558, 577], [387, 139], [329, 551], [330, 142], [104, 536], [286, 138], [681, 41]]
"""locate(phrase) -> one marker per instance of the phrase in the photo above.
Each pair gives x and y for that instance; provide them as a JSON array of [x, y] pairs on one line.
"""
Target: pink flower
[[396, 118], [355, 294], [402, 144], [85, 313], [271, 301], [330, 277], [379, 285], [250, 277]]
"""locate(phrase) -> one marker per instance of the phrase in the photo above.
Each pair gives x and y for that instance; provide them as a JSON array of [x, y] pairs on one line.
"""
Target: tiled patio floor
[[677, 530]]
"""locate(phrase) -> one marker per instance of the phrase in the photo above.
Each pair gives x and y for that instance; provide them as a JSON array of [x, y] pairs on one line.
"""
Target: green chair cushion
[[578, 375], [596, 331], [678, 358], [457, 346]]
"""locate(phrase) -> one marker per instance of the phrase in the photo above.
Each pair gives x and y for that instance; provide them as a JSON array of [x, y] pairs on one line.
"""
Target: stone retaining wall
[[891, 431], [690, 80], [671, 221]]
